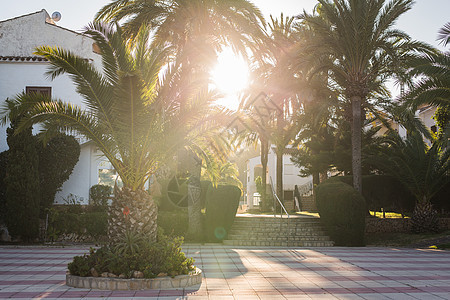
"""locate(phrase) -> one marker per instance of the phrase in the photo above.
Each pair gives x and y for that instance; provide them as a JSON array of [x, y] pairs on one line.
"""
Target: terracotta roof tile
[[22, 58]]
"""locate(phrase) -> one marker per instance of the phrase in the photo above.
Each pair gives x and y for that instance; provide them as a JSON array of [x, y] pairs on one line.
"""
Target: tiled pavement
[[250, 273]]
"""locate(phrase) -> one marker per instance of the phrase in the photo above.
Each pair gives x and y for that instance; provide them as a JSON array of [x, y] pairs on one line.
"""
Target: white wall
[[289, 180], [19, 37]]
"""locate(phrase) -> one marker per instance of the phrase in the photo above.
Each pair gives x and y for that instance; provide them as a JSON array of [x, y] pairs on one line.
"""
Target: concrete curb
[[101, 283]]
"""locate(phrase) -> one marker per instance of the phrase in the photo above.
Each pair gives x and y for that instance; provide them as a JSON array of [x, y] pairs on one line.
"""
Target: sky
[[421, 23]]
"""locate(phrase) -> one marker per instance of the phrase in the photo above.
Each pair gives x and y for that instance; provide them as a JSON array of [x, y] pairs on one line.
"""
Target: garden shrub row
[[219, 203]]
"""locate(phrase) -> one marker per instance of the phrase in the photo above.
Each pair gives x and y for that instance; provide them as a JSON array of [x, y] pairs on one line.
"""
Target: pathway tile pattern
[[249, 273]]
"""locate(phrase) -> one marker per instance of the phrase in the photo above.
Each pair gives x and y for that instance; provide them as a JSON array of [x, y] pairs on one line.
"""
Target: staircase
[[271, 231]]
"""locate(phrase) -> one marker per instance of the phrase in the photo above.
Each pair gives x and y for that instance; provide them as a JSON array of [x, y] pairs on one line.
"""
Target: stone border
[[102, 283]]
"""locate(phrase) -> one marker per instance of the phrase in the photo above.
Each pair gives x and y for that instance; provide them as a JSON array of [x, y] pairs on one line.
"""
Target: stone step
[[267, 231], [279, 238], [279, 243], [246, 234]]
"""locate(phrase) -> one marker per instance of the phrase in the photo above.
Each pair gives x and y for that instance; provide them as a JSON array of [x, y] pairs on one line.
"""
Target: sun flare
[[230, 76]]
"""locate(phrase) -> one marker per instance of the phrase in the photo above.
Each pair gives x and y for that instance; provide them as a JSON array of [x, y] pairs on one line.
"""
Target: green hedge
[[382, 191], [342, 211], [173, 223], [221, 206], [78, 220]]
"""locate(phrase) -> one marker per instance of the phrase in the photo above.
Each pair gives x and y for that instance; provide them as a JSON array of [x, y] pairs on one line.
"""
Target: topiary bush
[[173, 223], [342, 211], [99, 195], [221, 206], [134, 254], [57, 158]]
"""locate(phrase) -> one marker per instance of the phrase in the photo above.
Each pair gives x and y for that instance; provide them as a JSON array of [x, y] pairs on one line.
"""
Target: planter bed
[[107, 283]]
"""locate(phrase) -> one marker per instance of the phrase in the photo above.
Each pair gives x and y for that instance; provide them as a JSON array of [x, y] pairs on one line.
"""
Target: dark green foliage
[[3, 164], [74, 219], [99, 195], [135, 254], [22, 185], [441, 200], [342, 210], [442, 117], [221, 205], [205, 184], [57, 159], [173, 223], [382, 191]]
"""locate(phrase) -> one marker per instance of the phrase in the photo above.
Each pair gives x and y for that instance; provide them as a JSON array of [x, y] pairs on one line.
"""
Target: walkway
[[251, 273]]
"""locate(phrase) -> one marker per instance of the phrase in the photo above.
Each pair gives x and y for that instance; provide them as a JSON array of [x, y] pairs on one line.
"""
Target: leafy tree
[[354, 41], [131, 116], [57, 159], [22, 183]]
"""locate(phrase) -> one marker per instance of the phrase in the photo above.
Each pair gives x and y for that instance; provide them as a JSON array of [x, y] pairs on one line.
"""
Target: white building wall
[[289, 180], [18, 38]]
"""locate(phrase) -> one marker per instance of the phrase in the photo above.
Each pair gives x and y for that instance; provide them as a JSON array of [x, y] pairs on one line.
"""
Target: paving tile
[[251, 273]]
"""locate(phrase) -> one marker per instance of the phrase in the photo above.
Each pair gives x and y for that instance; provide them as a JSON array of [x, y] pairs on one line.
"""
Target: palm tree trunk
[[191, 164], [356, 142], [132, 211]]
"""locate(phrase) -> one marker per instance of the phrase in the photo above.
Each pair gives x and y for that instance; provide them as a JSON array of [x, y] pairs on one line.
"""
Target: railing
[[275, 197]]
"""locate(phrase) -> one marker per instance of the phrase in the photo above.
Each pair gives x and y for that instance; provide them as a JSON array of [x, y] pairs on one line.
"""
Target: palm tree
[[423, 170], [353, 40], [196, 29], [131, 116]]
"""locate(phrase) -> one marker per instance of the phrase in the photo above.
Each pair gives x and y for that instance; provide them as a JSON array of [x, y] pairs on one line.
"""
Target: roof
[[22, 58]]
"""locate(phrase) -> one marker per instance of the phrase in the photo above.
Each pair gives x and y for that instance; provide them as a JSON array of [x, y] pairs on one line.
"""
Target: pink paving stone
[[147, 293], [171, 293]]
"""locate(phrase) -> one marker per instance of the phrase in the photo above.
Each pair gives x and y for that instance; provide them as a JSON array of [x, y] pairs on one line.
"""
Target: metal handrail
[[279, 201]]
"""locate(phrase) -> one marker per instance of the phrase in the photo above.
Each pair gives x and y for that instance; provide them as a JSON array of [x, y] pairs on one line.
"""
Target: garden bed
[[106, 283]]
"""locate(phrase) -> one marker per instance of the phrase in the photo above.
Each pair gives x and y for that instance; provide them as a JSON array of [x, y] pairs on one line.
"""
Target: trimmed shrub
[[22, 184], [382, 191], [173, 223], [57, 159], [221, 206], [99, 195], [3, 164], [342, 211]]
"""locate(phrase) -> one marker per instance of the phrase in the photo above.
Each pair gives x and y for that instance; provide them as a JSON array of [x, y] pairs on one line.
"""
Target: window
[[107, 175], [44, 90]]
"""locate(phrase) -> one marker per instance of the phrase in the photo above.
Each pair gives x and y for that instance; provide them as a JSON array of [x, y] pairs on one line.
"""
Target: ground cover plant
[[134, 257]]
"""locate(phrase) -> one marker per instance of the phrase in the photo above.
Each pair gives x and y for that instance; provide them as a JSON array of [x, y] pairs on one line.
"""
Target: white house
[[21, 70], [290, 176]]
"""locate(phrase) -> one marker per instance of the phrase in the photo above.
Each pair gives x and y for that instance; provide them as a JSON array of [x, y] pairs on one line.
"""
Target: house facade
[[291, 177], [21, 70]]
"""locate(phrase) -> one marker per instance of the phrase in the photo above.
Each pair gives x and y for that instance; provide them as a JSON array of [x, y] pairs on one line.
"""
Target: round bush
[[342, 211]]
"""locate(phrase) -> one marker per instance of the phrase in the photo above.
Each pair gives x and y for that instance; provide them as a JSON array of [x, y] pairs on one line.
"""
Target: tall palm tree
[[130, 116], [355, 42]]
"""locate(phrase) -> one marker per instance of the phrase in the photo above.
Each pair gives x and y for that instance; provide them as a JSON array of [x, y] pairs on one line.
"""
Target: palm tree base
[[132, 211], [424, 218]]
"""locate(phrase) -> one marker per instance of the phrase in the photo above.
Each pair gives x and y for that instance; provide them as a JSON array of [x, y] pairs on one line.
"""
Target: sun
[[230, 76]]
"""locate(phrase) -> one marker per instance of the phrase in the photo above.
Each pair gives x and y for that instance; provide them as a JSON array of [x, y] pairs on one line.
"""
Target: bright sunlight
[[230, 76]]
